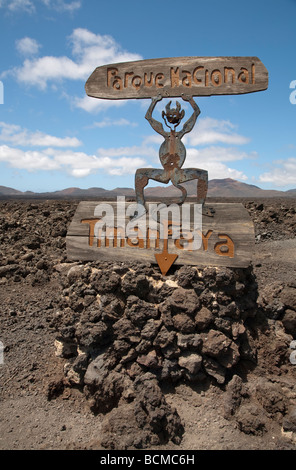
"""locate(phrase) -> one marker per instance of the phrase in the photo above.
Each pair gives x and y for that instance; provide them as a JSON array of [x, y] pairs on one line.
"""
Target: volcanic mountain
[[223, 188]]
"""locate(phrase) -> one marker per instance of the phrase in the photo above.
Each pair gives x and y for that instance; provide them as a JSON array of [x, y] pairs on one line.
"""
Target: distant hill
[[232, 188], [76, 192], [9, 191], [291, 192], [226, 187]]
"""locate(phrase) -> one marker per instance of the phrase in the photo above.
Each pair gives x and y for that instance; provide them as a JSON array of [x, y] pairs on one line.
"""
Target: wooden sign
[[172, 77], [225, 239]]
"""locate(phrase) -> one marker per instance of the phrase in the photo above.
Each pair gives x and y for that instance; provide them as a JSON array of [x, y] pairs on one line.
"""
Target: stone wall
[[125, 330]]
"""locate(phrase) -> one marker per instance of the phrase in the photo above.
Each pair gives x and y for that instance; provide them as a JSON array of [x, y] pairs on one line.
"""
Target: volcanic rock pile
[[32, 239], [273, 220], [126, 330]]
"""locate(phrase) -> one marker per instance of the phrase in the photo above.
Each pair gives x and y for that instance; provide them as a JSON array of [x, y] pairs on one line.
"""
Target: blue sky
[[52, 136]]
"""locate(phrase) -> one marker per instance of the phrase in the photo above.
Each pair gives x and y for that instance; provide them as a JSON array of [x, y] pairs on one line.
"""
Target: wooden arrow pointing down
[[165, 259]]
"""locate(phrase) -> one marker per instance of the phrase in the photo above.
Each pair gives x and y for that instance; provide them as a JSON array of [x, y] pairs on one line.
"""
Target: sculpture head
[[173, 115]]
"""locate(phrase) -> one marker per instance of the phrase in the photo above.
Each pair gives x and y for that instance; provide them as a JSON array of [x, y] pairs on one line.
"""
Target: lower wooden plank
[[224, 239]]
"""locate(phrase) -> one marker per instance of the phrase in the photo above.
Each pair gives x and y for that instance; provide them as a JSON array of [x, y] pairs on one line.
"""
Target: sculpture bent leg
[[188, 174], [143, 175]]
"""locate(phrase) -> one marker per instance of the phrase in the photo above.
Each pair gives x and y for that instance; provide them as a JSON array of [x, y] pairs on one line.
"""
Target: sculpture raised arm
[[156, 125], [188, 126]]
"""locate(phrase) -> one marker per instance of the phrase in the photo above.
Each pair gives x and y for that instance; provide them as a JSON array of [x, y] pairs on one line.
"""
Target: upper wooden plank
[[172, 77]]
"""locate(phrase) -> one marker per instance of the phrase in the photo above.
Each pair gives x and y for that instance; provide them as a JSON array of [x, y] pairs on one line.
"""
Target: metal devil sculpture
[[172, 153]]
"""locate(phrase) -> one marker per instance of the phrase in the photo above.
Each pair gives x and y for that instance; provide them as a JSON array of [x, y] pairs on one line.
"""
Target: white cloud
[[116, 162], [27, 46], [282, 175], [29, 6], [15, 135], [77, 164], [107, 122], [47, 152], [212, 159], [94, 105], [58, 154], [61, 5], [218, 170], [216, 154], [80, 172], [26, 160], [18, 5], [143, 150], [154, 139], [89, 50], [211, 131], [221, 171]]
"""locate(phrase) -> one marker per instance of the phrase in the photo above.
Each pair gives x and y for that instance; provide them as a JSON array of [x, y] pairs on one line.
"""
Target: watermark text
[[1, 353], [1, 93], [293, 93], [159, 222], [293, 353]]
